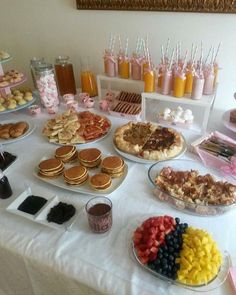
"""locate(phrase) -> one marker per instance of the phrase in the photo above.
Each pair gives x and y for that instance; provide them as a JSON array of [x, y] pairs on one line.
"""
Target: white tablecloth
[[38, 260]]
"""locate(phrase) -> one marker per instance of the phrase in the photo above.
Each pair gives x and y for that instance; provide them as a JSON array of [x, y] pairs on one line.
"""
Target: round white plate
[[226, 122], [145, 161], [31, 128]]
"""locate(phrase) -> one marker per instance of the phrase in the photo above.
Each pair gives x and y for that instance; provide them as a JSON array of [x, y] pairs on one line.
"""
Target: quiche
[[148, 141]]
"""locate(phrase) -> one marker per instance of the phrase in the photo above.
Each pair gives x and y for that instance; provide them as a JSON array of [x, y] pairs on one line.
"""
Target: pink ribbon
[[137, 60], [230, 168], [110, 58]]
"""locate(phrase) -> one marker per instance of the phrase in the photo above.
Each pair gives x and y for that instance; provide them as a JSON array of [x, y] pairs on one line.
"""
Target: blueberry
[[152, 266], [160, 270], [164, 261], [177, 220], [165, 248], [160, 255], [175, 241], [185, 225], [169, 274], [176, 234], [157, 261], [170, 243], [171, 249], [176, 246], [164, 272], [171, 257], [174, 276], [160, 250], [166, 254]]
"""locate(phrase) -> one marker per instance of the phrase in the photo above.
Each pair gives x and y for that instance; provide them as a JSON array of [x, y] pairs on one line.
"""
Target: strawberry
[[143, 260]]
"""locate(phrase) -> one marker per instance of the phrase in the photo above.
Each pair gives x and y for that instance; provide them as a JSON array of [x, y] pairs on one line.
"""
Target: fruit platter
[[189, 186], [179, 253]]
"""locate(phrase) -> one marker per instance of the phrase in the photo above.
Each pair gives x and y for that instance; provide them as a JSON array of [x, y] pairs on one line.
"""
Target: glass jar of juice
[[88, 80], [65, 75]]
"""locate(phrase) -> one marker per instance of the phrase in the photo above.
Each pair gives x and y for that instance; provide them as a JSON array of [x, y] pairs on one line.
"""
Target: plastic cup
[[99, 212]]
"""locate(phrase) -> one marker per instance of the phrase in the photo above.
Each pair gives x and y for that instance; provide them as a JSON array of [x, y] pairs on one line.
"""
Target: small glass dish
[[182, 205]]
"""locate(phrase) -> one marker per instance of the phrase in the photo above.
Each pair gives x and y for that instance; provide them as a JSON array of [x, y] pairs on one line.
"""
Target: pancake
[[75, 172], [92, 164], [66, 153], [77, 181], [50, 165], [113, 165], [100, 181], [89, 155]]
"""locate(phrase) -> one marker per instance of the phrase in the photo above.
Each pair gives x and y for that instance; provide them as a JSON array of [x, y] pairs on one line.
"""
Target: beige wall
[[52, 27]]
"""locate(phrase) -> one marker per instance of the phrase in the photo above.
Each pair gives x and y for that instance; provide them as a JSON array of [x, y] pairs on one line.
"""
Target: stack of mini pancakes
[[75, 175], [50, 168], [113, 166], [100, 181], [90, 157], [66, 154]]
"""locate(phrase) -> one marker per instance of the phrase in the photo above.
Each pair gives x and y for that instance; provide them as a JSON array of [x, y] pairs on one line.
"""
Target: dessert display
[[177, 251], [61, 213], [13, 130], [90, 157], [192, 187], [32, 204], [232, 116], [15, 99], [6, 159], [177, 116], [127, 103], [148, 141], [71, 169], [50, 168], [75, 175], [74, 128], [4, 55], [100, 181], [11, 77], [66, 154], [113, 166]]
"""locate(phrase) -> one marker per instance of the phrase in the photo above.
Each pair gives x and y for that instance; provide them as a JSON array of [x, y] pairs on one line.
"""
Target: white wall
[[52, 27]]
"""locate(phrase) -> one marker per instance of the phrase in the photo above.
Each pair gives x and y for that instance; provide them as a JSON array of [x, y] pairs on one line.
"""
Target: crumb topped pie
[[148, 141]]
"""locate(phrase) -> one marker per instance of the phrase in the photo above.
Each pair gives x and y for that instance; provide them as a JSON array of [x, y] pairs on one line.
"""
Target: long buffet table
[[36, 259]]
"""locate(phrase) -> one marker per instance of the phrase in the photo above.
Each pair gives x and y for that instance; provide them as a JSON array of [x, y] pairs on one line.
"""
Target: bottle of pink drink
[[136, 67], [209, 76], [110, 64], [198, 84], [166, 82]]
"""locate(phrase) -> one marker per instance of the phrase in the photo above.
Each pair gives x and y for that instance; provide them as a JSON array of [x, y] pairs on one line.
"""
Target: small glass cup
[[99, 212]]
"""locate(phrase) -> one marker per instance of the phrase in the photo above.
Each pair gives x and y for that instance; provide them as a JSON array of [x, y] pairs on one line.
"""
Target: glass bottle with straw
[[161, 69], [167, 77], [180, 80], [209, 77], [198, 83], [149, 76], [136, 62], [88, 79], [215, 64], [190, 71], [145, 62], [110, 61], [124, 62]]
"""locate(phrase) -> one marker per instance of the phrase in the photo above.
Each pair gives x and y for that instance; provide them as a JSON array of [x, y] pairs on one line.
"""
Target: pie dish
[[149, 141]]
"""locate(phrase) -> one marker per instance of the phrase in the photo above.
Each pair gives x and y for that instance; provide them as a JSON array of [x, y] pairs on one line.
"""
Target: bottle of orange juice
[[149, 79], [88, 79], [123, 66], [179, 84]]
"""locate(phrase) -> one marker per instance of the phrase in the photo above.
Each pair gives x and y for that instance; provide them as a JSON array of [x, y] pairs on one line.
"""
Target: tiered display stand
[[4, 91]]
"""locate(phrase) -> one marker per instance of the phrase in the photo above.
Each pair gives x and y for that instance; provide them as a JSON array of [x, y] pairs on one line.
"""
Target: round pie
[[148, 141]]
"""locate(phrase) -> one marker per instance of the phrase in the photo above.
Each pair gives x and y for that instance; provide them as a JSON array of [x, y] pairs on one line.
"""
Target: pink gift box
[[211, 160]]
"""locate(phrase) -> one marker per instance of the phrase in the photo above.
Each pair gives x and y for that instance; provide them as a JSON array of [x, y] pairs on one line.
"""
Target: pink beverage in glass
[[166, 82], [198, 84], [110, 65], [209, 81], [136, 67]]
